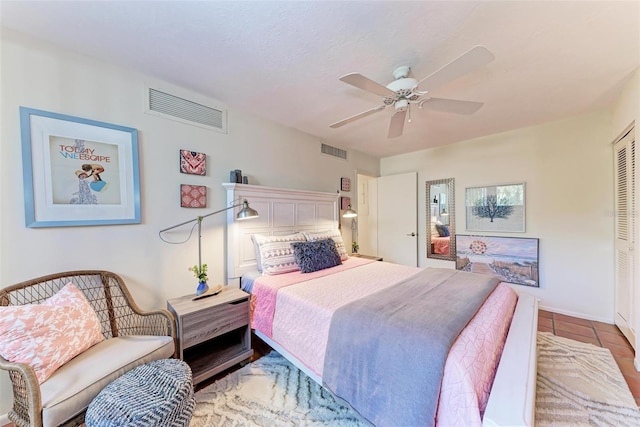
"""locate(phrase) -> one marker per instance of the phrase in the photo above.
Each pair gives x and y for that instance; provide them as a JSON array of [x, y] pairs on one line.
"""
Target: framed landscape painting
[[511, 259]]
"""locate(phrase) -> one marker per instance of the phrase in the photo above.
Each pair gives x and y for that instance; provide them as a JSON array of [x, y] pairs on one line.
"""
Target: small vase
[[202, 288]]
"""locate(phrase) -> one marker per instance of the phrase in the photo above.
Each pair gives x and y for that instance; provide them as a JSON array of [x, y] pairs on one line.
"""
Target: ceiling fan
[[403, 91]]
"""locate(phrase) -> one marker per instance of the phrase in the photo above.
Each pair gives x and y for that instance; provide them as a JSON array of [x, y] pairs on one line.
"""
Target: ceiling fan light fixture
[[405, 90], [401, 104]]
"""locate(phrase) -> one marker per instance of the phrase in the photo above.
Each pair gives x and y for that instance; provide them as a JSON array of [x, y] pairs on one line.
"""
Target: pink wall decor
[[193, 163], [193, 196]]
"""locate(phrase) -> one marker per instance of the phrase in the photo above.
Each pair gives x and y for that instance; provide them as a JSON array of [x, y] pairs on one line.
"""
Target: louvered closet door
[[625, 233]]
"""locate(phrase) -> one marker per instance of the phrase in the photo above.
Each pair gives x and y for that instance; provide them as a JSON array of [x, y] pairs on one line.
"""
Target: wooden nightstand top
[[184, 305], [377, 258]]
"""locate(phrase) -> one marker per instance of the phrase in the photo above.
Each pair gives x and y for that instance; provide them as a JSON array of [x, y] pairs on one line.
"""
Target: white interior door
[[398, 218], [367, 221], [625, 229]]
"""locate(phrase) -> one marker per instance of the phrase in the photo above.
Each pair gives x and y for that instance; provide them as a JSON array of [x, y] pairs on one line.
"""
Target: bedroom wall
[[568, 174], [625, 112], [42, 76]]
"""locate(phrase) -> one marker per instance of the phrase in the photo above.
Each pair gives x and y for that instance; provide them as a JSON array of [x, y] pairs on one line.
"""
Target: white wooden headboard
[[282, 211]]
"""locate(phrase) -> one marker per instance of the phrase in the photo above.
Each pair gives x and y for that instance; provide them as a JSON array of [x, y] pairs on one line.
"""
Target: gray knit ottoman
[[159, 393]]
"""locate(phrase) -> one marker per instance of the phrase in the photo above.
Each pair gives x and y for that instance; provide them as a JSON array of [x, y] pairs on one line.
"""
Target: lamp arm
[[200, 218], [245, 213]]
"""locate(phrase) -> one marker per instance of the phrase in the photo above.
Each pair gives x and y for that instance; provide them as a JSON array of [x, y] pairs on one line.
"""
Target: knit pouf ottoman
[[159, 393]]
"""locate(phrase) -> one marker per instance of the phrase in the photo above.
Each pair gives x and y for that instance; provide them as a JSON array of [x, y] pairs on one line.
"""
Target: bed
[[439, 234], [301, 309], [440, 245]]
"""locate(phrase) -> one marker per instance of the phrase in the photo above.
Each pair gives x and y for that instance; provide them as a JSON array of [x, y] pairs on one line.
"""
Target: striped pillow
[[329, 234], [276, 254]]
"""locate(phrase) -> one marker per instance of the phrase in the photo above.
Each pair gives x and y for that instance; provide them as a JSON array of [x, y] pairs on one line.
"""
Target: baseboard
[[580, 315], [4, 420]]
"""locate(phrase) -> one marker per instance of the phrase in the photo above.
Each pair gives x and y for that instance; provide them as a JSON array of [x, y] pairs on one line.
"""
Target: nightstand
[[377, 258], [213, 332]]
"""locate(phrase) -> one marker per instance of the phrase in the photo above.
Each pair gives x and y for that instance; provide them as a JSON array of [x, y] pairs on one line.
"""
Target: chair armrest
[[158, 322], [27, 402]]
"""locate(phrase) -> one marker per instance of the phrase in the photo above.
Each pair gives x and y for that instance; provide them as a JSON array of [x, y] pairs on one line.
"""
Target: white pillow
[[329, 234], [434, 230], [256, 251], [276, 254]]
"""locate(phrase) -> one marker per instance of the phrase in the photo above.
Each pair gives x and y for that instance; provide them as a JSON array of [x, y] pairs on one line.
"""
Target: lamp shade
[[349, 213], [246, 212]]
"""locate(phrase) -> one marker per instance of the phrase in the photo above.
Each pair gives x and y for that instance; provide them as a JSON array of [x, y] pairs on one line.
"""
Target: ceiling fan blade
[[451, 105], [397, 124], [357, 116], [467, 62], [366, 84]]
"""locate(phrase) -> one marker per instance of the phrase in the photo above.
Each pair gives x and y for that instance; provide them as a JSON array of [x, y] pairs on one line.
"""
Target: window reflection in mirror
[[441, 219]]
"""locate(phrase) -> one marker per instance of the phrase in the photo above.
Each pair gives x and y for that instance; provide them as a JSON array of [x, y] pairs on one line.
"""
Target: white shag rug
[[578, 385], [581, 385]]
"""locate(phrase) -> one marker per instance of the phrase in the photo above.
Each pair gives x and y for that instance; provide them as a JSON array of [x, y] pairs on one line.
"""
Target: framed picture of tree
[[495, 208]]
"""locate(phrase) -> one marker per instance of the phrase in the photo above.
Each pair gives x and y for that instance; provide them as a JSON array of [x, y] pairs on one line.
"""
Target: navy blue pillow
[[443, 230], [316, 255]]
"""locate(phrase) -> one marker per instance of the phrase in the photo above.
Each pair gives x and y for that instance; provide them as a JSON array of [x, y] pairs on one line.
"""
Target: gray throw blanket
[[386, 352]]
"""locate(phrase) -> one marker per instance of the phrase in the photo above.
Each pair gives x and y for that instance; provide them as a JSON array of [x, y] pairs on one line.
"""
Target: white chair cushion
[[73, 386]]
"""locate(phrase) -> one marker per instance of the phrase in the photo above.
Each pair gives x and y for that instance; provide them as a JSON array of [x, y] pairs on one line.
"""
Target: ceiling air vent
[[334, 151], [163, 104]]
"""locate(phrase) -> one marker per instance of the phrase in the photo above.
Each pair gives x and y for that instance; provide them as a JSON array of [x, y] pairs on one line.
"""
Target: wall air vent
[[179, 108], [334, 151]]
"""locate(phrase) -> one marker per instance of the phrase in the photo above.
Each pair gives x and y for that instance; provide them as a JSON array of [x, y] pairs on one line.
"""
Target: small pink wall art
[[193, 163], [344, 203], [193, 196]]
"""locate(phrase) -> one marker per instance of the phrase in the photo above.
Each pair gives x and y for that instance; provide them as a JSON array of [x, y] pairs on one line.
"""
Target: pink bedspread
[[265, 289], [298, 316], [440, 245], [473, 360]]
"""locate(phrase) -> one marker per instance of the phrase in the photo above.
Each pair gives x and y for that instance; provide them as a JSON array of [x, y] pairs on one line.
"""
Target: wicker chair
[[117, 311]]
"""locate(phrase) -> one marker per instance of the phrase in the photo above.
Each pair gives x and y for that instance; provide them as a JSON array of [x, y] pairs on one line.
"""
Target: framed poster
[[78, 171], [495, 208], [511, 259]]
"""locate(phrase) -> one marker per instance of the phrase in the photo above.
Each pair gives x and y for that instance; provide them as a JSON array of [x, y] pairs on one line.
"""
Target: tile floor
[[596, 333]]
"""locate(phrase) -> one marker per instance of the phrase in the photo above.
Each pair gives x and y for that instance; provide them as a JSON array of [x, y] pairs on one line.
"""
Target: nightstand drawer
[[206, 324]]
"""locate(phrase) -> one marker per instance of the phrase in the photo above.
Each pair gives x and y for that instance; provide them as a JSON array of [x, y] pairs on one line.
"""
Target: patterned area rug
[[581, 385], [270, 392], [578, 385]]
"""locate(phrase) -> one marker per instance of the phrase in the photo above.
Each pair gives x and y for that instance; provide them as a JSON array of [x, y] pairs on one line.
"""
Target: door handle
[[412, 234]]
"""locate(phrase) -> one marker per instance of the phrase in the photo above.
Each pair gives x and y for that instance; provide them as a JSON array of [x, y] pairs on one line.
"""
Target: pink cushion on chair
[[46, 336]]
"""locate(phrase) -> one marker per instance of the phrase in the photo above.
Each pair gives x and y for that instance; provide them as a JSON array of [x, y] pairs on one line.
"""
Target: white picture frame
[[496, 208], [78, 172]]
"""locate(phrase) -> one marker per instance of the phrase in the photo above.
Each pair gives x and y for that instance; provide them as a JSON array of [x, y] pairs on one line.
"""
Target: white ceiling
[[282, 60]]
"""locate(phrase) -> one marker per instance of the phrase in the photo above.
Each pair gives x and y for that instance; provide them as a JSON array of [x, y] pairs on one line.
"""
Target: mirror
[[441, 230]]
